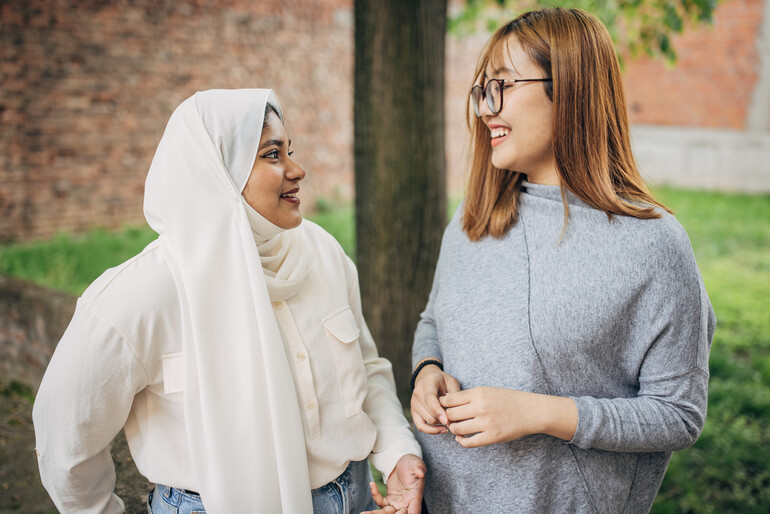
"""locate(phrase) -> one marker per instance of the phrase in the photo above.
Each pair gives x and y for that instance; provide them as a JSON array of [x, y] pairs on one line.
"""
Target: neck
[[261, 227]]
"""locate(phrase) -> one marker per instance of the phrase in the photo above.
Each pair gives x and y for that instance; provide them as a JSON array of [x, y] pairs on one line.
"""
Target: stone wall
[[32, 320]]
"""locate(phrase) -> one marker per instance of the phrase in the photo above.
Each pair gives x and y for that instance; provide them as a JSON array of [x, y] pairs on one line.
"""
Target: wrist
[[558, 417], [424, 363]]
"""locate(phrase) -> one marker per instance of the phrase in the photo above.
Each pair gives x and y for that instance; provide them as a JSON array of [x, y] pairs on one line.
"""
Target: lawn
[[728, 469]]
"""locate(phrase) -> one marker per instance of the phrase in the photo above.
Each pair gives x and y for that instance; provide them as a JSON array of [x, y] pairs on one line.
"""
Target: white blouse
[[120, 364]]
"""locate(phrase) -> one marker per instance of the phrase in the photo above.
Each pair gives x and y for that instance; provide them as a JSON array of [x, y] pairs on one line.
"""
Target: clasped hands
[[486, 415]]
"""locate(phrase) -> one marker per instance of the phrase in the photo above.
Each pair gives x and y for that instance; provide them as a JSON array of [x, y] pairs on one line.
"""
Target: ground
[[20, 488]]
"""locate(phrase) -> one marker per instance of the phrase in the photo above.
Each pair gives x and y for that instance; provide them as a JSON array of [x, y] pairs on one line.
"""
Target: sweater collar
[[552, 193]]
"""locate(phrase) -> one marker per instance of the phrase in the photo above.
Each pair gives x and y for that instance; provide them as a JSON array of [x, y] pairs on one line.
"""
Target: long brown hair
[[590, 124]]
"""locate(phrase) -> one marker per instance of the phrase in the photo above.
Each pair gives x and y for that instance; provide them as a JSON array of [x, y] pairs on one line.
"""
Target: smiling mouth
[[291, 196], [499, 132]]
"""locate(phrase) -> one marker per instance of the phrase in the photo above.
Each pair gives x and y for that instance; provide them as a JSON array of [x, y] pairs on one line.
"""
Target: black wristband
[[419, 368]]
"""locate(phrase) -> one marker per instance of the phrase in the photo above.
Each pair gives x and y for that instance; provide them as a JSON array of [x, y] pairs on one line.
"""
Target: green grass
[[728, 469], [70, 263]]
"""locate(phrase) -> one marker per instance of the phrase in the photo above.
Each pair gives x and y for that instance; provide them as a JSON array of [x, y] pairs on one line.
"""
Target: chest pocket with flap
[[342, 332]]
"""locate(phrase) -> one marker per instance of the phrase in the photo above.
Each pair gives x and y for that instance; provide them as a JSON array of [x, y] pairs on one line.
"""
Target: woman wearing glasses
[[562, 355], [232, 348]]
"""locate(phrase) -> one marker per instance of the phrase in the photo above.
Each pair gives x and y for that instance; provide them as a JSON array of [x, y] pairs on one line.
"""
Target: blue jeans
[[168, 500], [346, 494]]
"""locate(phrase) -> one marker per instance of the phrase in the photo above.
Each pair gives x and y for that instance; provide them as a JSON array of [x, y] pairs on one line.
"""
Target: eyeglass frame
[[502, 84]]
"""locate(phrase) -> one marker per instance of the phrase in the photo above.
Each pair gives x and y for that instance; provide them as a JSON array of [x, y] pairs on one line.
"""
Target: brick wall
[[713, 79], [86, 88]]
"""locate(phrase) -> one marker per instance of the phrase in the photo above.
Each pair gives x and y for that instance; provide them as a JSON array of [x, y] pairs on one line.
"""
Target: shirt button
[[301, 357], [277, 305], [311, 405]]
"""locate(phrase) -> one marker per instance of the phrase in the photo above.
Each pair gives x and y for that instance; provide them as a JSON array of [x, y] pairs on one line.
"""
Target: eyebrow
[[271, 142], [498, 71]]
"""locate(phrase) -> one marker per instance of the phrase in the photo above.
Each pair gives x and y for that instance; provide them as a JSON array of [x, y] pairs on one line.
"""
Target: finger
[[387, 510], [462, 412], [376, 496], [456, 399], [424, 411], [419, 468], [425, 428], [452, 385], [433, 405], [467, 427], [473, 441]]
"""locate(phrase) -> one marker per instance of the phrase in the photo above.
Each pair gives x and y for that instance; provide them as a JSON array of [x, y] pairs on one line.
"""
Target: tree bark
[[399, 166]]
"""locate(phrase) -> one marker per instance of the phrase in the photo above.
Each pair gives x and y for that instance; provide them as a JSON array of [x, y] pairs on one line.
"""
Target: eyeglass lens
[[492, 94]]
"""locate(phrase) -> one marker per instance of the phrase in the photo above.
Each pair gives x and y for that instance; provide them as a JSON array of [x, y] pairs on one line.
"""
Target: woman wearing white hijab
[[233, 348]]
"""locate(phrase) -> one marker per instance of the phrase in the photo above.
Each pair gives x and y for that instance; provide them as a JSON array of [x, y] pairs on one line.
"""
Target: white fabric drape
[[286, 255], [241, 412]]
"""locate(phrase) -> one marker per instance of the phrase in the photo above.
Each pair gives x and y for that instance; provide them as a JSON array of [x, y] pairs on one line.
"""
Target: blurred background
[[87, 86]]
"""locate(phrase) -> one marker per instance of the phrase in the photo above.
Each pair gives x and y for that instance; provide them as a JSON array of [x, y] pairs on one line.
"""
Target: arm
[[670, 409], [83, 402], [672, 327], [431, 382], [394, 438]]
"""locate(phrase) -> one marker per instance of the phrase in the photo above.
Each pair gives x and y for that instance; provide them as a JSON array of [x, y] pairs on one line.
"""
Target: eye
[[291, 152], [272, 154]]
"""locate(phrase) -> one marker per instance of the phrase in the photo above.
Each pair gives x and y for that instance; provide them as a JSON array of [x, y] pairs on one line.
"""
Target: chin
[[293, 223], [501, 163]]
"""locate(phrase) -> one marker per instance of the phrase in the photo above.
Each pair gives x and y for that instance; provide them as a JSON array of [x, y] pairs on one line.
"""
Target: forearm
[[394, 437], [556, 416], [643, 424], [425, 344]]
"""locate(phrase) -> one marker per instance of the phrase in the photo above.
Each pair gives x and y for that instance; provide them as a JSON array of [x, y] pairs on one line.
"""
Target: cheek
[[263, 186]]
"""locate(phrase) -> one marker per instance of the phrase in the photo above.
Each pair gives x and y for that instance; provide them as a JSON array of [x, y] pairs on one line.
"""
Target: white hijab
[[243, 422]]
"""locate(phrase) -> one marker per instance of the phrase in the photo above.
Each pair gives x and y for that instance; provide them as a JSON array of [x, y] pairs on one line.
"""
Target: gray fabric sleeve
[[670, 408], [426, 336]]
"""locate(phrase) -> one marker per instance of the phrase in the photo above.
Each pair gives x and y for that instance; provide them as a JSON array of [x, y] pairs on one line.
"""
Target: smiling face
[[274, 181], [522, 132]]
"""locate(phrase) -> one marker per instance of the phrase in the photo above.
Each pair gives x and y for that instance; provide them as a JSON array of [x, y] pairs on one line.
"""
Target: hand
[[427, 413], [491, 415], [405, 485]]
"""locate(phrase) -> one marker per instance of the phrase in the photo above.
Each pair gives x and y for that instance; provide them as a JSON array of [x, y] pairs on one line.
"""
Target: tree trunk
[[399, 166]]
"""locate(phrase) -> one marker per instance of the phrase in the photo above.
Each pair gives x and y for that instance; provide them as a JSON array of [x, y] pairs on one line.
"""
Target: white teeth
[[289, 195], [499, 132]]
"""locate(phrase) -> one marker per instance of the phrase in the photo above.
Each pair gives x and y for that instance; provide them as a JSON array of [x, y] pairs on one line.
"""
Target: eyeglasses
[[493, 92]]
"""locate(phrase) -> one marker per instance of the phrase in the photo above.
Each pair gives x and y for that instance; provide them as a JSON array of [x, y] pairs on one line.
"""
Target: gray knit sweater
[[614, 315]]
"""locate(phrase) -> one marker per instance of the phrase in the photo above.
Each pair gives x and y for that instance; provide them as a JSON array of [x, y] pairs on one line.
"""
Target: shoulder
[[663, 237], [660, 246], [330, 258], [140, 288], [319, 238]]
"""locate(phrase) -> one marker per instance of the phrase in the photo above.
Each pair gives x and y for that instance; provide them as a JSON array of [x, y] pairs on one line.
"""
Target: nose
[[484, 109], [294, 171]]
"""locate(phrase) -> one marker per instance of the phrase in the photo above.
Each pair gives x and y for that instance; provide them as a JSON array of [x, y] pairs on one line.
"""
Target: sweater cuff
[[588, 409]]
